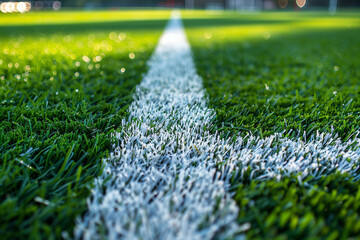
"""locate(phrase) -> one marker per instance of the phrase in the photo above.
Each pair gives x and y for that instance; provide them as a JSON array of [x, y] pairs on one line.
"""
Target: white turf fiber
[[168, 177]]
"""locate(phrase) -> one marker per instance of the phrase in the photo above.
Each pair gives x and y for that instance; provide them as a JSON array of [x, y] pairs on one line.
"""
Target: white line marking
[[163, 182]]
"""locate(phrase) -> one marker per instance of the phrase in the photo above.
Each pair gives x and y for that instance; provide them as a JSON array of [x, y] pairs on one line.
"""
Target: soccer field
[[274, 112]]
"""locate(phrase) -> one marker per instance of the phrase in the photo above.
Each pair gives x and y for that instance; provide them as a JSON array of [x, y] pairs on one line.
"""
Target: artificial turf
[[284, 72], [274, 72], [66, 83]]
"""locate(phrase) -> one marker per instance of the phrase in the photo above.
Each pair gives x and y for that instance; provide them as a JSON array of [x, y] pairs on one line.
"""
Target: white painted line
[[162, 181]]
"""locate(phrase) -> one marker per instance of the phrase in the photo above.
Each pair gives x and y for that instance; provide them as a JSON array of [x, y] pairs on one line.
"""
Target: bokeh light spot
[[283, 3], [122, 36], [208, 35], [10, 7], [267, 35], [131, 55], [301, 3], [57, 5], [86, 59]]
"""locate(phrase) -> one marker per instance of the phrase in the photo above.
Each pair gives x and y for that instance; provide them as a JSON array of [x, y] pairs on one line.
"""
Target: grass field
[[65, 87], [292, 73], [280, 71], [67, 82]]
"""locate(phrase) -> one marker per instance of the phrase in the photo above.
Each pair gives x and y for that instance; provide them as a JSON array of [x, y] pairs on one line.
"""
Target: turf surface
[[65, 87], [274, 72], [66, 83], [278, 72]]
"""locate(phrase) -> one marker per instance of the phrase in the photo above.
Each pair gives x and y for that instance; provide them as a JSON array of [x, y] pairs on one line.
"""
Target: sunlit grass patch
[[284, 72], [273, 72], [64, 88], [76, 17]]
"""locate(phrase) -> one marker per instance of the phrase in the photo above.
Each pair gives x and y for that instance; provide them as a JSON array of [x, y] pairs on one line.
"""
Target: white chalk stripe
[[164, 183], [163, 178]]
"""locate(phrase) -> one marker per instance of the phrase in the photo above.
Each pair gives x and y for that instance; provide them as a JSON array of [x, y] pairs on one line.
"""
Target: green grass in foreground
[[326, 208], [64, 88], [274, 72]]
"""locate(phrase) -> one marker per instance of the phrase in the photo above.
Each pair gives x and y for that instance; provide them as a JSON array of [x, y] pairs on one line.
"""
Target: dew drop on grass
[[267, 35], [208, 35], [86, 59], [97, 59], [112, 35], [131, 55], [122, 36], [267, 87]]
